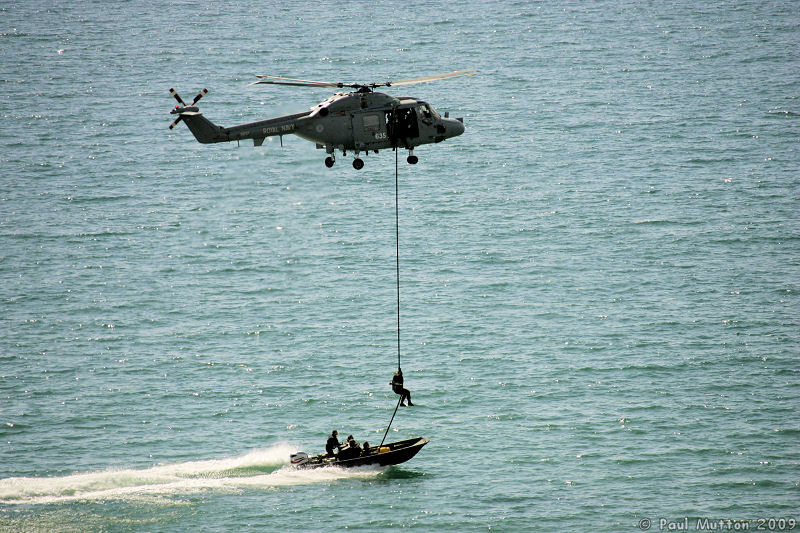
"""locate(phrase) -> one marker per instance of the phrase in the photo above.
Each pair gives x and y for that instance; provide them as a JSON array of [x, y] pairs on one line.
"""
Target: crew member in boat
[[397, 387], [333, 442], [351, 450]]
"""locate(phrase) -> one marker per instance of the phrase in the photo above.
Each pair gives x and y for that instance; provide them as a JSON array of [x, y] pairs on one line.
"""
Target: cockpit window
[[427, 114], [432, 111]]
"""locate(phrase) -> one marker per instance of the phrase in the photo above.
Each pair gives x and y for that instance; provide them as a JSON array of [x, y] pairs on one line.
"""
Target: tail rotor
[[183, 107]]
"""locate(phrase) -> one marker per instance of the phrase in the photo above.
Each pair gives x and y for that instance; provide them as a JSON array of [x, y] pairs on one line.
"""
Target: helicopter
[[359, 121]]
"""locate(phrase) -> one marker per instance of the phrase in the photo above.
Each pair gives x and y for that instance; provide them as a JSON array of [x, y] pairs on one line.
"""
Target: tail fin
[[203, 129]]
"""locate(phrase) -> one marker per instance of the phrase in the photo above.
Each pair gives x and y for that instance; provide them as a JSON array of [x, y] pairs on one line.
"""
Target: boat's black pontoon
[[391, 453]]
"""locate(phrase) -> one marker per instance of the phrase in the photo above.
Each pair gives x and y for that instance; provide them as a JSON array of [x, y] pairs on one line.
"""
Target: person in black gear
[[333, 442], [351, 442], [365, 448], [401, 125], [352, 450], [397, 387]]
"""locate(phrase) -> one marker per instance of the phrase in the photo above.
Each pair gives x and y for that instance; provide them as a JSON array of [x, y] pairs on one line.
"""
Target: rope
[[397, 248], [396, 407], [397, 270]]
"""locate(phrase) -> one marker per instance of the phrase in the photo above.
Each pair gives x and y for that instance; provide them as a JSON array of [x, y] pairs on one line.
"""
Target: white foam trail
[[174, 479]]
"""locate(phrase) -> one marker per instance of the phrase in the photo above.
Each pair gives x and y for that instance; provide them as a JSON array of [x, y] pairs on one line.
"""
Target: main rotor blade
[[279, 80], [290, 79], [296, 84], [456, 74]]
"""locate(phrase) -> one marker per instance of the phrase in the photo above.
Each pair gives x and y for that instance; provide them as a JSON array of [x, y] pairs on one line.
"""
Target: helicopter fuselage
[[355, 121]]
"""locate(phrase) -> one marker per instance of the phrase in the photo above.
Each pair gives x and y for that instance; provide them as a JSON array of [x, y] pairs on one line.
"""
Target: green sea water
[[599, 279]]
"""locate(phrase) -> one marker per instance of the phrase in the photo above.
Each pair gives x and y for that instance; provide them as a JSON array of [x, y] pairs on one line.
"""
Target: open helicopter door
[[403, 127]]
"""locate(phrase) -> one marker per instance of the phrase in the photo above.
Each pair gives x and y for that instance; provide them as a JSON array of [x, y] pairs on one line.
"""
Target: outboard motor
[[299, 458]]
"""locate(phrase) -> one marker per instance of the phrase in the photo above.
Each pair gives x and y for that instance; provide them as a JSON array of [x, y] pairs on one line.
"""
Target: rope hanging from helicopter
[[393, 129], [397, 256], [397, 248]]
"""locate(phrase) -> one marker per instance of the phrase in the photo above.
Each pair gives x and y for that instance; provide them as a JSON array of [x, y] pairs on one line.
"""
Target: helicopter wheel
[[412, 160], [329, 161], [358, 164]]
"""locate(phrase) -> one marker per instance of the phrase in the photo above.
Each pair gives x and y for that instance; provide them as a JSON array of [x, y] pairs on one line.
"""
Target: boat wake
[[258, 469]]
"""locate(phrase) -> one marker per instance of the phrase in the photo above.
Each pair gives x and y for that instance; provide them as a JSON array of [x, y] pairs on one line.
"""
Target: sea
[[599, 280]]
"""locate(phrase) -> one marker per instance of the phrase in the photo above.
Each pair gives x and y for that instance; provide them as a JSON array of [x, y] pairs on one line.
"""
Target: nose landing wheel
[[358, 163], [329, 161]]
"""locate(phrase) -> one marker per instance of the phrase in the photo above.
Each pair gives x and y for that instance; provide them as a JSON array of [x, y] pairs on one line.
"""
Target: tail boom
[[203, 129], [207, 132]]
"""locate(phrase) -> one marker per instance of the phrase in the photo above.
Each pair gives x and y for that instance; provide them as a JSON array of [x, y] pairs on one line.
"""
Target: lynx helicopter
[[359, 121]]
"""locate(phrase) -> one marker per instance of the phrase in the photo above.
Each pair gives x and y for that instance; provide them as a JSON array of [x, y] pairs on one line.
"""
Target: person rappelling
[[397, 387]]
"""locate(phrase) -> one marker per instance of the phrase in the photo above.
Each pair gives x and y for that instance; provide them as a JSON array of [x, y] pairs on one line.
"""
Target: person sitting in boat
[[397, 387], [353, 445], [333, 442], [365, 448], [350, 450]]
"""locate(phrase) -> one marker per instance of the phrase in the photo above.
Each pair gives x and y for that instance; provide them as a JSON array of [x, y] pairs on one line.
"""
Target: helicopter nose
[[455, 127]]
